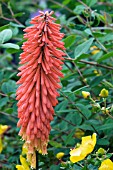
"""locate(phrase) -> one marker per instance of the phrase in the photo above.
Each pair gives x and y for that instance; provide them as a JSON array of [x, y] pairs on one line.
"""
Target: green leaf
[[65, 2], [84, 110], [55, 144], [96, 81], [16, 25], [5, 35], [79, 9], [82, 56], [8, 87], [69, 40], [55, 167], [79, 89], [10, 45], [91, 2], [9, 110], [4, 27], [3, 101], [83, 48], [75, 118], [69, 137], [106, 126], [86, 127], [19, 14], [106, 56], [62, 105], [102, 142]]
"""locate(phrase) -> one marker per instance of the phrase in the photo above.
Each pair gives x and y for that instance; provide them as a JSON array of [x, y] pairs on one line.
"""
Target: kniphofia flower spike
[[40, 71]]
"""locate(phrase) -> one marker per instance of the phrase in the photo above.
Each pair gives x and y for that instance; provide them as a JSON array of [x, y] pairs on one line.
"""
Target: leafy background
[[86, 24]]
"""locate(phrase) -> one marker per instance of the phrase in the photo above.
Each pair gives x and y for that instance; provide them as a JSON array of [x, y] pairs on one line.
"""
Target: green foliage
[[86, 24]]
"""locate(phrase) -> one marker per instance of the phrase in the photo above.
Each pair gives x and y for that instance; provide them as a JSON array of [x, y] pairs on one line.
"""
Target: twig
[[62, 6], [12, 13], [105, 3], [91, 63], [68, 9], [65, 120], [109, 115], [8, 19], [78, 70], [96, 64], [6, 114], [88, 23], [79, 111], [5, 95], [68, 67], [102, 28], [84, 5]]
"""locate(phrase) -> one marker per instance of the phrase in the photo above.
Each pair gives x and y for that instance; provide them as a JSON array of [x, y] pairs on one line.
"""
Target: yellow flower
[[20, 167], [3, 128], [86, 147], [104, 93], [85, 94], [94, 50], [60, 155], [24, 163], [106, 165]]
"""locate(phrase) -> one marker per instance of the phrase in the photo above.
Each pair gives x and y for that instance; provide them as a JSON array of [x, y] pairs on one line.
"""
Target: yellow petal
[[86, 139], [75, 159], [24, 162], [94, 138], [1, 145], [20, 167], [106, 165], [24, 149], [77, 154], [3, 128], [76, 151]]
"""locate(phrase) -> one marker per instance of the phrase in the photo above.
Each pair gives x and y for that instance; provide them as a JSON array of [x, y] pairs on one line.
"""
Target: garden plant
[[56, 84]]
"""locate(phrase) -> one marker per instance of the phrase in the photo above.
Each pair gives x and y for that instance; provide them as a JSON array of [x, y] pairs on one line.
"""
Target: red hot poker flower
[[37, 93]]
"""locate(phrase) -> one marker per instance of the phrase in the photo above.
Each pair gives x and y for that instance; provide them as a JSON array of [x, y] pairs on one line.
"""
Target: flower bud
[[60, 155], [101, 151], [79, 133], [104, 93], [85, 94], [94, 50]]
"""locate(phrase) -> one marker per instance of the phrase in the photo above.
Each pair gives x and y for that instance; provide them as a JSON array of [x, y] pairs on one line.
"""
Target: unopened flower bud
[[104, 93], [60, 155], [85, 94], [79, 133], [101, 151], [94, 50]]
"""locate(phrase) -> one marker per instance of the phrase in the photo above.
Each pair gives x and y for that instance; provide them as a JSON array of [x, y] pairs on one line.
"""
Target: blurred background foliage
[[88, 66]]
